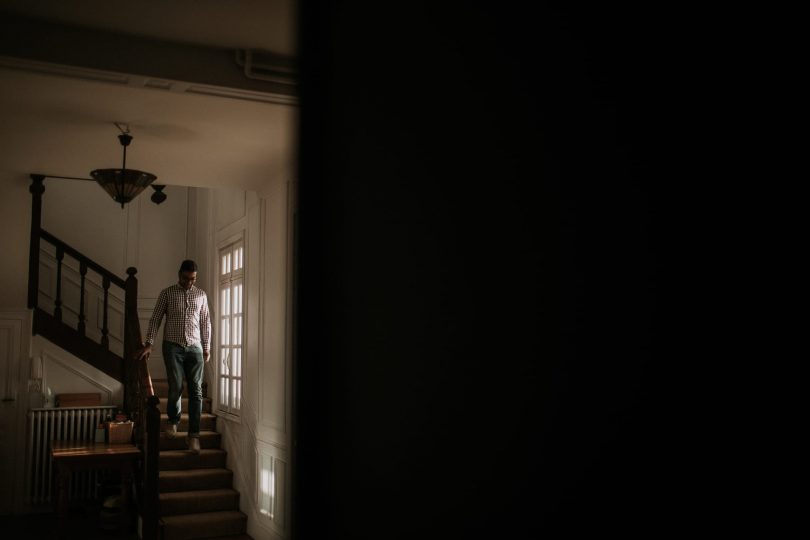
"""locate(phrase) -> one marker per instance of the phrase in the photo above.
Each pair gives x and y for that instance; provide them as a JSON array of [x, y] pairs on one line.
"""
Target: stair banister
[[37, 188], [49, 324], [79, 256], [151, 510], [140, 401], [143, 403]]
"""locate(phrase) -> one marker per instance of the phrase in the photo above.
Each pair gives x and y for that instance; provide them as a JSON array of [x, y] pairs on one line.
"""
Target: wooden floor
[[83, 523]]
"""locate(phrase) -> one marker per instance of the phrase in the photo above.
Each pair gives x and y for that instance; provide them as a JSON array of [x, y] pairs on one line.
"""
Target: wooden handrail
[[74, 338], [79, 256]]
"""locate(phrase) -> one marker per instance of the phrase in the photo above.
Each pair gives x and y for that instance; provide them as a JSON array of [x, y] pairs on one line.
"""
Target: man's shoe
[[171, 431], [194, 445]]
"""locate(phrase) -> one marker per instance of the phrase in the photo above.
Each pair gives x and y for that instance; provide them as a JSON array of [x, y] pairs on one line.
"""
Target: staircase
[[181, 496], [196, 497]]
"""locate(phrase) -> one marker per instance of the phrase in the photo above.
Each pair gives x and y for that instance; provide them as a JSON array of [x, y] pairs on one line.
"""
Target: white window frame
[[230, 325]]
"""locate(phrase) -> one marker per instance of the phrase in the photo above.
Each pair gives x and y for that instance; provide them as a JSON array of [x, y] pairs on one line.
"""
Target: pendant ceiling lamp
[[123, 184]]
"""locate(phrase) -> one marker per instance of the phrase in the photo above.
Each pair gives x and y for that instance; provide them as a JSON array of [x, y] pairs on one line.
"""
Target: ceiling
[[231, 24], [61, 125]]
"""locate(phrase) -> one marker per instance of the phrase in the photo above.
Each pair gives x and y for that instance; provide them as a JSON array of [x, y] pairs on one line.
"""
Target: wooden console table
[[69, 456]]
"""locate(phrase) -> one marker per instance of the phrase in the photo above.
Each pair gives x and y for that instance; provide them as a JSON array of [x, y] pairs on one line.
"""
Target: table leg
[[62, 479], [126, 491]]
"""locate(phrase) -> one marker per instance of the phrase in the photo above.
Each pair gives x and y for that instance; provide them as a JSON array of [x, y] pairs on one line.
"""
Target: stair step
[[208, 422], [164, 402], [191, 479], [204, 525], [195, 502], [208, 439], [209, 458], [161, 388], [233, 537]]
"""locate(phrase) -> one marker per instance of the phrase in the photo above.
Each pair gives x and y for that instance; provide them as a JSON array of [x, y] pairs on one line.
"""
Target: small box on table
[[119, 432]]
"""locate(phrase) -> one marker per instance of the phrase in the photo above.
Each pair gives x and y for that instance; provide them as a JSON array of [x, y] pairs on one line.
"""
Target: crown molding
[[140, 81], [105, 55]]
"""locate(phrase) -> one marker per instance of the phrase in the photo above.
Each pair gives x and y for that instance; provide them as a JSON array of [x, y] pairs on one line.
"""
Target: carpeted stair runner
[[204, 525], [196, 502], [197, 499]]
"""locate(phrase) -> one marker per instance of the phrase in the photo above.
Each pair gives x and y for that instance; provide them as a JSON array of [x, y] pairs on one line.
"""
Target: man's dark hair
[[188, 266]]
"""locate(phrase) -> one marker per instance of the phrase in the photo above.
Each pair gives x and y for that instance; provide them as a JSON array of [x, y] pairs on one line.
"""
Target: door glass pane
[[237, 292], [237, 330], [232, 326], [224, 396], [226, 334], [226, 301], [224, 361]]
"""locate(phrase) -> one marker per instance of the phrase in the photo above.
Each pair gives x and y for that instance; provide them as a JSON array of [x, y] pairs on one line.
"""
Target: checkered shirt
[[188, 321]]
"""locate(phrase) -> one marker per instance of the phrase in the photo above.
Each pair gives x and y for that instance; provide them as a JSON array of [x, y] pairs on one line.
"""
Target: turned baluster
[[57, 310], [37, 189], [82, 316], [105, 339]]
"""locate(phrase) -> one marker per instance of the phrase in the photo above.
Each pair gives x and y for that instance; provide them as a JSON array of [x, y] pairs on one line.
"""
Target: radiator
[[62, 424]]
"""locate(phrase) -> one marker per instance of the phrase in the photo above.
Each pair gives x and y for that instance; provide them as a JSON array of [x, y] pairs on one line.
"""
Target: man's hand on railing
[[145, 352]]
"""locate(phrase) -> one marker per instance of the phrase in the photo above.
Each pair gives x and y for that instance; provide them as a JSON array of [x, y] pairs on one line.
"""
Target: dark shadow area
[[85, 521], [496, 329], [99, 517]]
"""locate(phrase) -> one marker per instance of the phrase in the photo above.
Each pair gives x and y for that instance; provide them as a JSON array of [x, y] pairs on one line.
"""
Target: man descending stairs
[[197, 499]]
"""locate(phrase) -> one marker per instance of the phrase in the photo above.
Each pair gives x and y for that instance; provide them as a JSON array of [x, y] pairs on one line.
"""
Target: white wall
[[15, 222], [258, 440], [274, 380], [83, 215]]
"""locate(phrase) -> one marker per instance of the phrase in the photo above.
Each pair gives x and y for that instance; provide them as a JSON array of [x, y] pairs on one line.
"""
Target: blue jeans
[[184, 362]]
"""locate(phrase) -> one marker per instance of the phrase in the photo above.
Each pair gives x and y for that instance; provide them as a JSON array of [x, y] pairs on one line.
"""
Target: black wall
[[484, 345]]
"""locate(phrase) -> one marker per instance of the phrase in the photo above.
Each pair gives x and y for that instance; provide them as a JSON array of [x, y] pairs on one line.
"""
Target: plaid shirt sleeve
[[205, 326], [157, 316]]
